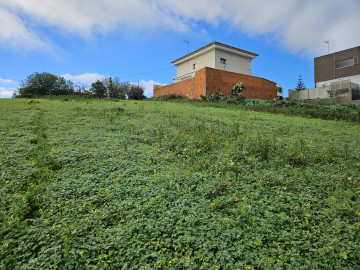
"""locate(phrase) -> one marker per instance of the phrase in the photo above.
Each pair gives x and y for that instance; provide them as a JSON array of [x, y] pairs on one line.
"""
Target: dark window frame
[[345, 63], [223, 61]]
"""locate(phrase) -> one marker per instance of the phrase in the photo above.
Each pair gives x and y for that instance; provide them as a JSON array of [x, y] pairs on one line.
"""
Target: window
[[222, 61], [344, 63], [194, 66]]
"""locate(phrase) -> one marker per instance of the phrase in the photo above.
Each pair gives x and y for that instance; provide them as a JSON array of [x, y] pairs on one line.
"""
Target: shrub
[[42, 84], [121, 95], [136, 92], [214, 97], [235, 95], [98, 89], [171, 96]]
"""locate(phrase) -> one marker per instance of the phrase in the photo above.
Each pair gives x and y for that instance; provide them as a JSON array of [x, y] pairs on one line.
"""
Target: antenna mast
[[328, 43], [188, 43]]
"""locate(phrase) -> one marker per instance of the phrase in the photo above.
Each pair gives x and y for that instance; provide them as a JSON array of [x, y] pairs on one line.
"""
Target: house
[[337, 79], [216, 67]]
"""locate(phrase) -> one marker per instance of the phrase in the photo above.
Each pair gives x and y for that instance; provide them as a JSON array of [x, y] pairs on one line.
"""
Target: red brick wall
[[191, 88], [210, 80], [256, 87]]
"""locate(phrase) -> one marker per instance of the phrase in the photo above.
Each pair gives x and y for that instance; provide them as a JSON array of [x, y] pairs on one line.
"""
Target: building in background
[[279, 91], [337, 79], [337, 67], [214, 55], [213, 68]]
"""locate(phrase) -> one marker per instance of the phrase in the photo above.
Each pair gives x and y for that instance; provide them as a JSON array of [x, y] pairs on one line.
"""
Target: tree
[[136, 92], [41, 84], [98, 89], [120, 89], [300, 85]]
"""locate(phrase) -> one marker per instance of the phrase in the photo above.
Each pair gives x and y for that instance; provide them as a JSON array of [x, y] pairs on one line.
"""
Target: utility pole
[[328, 43], [188, 43]]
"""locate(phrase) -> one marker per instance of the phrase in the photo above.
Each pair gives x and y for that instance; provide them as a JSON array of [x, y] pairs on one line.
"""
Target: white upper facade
[[354, 79], [214, 55]]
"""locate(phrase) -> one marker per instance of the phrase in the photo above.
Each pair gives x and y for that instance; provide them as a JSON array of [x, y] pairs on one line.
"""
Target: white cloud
[[298, 25], [6, 92], [79, 17], [7, 87], [148, 87], [14, 33], [6, 81], [86, 78]]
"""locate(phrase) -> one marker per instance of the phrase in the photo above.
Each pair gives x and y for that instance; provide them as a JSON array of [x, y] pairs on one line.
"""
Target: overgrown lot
[[160, 185]]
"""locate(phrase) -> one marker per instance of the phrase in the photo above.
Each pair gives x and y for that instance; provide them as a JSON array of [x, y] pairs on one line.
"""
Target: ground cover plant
[[97, 184], [294, 108]]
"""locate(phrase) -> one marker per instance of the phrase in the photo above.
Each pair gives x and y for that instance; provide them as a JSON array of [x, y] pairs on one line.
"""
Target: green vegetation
[[234, 95], [285, 107], [42, 84], [47, 85], [300, 84], [306, 109], [96, 184], [98, 89]]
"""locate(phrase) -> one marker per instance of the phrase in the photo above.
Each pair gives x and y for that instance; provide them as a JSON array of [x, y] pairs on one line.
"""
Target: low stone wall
[[355, 102], [339, 96], [314, 93]]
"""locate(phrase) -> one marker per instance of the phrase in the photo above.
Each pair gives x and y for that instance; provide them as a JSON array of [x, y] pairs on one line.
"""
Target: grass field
[[166, 185]]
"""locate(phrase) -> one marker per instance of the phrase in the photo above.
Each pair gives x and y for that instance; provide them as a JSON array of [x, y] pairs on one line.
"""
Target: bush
[[214, 97], [136, 92], [235, 96], [42, 84], [98, 89], [171, 96], [121, 95]]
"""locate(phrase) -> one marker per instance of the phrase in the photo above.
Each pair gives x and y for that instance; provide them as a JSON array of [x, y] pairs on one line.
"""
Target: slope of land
[[160, 185]]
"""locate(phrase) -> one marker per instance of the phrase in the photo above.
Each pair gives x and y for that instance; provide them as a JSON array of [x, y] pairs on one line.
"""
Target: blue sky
[[86, 40]]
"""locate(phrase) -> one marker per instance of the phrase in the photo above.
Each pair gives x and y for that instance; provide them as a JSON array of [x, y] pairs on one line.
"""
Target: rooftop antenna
[[188, 43], [328, 43]]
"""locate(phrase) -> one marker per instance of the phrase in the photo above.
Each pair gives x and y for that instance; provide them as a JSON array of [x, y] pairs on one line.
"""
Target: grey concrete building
[[337, 79], [338, 66]]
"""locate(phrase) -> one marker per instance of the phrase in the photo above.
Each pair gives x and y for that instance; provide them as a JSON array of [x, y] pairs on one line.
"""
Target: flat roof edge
[[215, 44]]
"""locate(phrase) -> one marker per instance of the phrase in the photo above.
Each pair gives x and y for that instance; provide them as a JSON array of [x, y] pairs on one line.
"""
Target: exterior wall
[[206, 59], [190, 88], [353, 79], [234, 63], [256, 87], [315, 93], [211, 58], [324, 66], [327, 96], [210, 80]]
